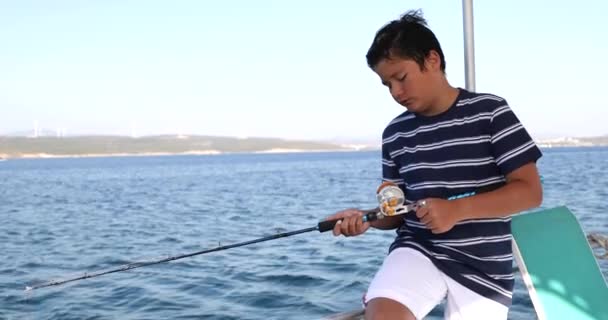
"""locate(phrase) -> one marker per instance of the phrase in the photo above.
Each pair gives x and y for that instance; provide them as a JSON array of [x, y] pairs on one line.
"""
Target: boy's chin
[[415, 108]]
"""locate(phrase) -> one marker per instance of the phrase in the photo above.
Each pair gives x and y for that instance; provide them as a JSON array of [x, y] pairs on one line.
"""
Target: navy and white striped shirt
[[471, 146]]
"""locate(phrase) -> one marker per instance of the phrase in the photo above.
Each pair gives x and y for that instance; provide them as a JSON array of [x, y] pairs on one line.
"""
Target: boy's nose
[[398, 94]]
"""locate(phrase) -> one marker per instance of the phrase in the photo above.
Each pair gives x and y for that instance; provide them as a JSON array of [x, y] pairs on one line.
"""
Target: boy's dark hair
[[408, 38]]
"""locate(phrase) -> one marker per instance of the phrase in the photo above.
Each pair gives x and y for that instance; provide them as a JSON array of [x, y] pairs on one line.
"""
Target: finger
[[352, 224], [421, 212], [427, 219], [344, 226], [424, 203], [342, 214], [337, 228], [437, 230], [358, 226], [441, 229], [336, 215]]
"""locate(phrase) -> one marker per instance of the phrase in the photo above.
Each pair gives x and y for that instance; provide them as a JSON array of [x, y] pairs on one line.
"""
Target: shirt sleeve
[[512, 146]]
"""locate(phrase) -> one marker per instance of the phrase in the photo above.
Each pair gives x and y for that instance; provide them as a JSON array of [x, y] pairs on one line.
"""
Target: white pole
[[469, 44]]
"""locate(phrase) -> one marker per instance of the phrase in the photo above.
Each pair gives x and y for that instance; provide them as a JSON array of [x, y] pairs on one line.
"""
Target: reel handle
[[327, 225]]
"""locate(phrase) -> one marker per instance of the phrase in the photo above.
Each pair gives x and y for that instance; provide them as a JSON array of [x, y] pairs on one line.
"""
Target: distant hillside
[[603, 140], [574, 142], [14, 147]]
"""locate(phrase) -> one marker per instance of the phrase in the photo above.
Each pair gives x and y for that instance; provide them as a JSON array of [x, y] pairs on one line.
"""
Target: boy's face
[[410, 87]]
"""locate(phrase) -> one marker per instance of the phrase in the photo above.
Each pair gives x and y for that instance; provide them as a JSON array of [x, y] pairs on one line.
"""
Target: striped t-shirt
[[470, 147]]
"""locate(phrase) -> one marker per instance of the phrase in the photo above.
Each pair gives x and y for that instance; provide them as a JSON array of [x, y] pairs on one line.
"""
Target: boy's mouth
[[406, 102]]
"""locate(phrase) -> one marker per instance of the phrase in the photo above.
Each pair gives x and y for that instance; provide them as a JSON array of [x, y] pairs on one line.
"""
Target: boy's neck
[[445, 98]]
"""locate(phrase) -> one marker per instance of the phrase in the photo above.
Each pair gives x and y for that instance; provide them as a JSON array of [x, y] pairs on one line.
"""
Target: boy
[[448, 142]]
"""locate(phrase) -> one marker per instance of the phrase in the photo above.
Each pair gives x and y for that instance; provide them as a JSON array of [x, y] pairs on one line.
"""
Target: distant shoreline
[[162, 154], [176, 145], [117, 146], [101, 155]]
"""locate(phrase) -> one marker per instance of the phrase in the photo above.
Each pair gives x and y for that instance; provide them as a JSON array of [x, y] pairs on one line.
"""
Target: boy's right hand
[[352, 223]]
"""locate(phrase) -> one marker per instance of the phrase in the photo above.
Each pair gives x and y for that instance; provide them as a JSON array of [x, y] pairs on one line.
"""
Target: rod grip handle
[[330, 224]]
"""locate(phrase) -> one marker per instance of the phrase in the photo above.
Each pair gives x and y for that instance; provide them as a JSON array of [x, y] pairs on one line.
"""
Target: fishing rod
[[389, 196], [391, 202], [135, 265]]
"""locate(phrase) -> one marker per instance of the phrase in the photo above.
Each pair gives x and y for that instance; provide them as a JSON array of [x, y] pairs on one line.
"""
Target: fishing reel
[[391, 200]]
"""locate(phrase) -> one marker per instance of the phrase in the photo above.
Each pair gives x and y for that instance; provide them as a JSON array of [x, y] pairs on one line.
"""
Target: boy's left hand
[[439, 215]]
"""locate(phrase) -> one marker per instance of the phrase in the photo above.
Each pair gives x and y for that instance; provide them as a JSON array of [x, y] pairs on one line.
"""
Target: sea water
[[62, 217]]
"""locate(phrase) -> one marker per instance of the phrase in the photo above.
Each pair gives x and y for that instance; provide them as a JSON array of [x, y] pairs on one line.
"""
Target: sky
[[286, 69]]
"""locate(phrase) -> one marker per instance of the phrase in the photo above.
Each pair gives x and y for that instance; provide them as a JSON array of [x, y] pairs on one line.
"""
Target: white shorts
[[410, 278]]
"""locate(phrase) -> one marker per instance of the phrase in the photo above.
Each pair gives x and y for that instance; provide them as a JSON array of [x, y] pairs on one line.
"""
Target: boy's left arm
[[522, 191]]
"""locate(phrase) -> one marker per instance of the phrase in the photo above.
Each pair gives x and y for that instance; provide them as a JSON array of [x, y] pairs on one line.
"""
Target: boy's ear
[[432, 61]]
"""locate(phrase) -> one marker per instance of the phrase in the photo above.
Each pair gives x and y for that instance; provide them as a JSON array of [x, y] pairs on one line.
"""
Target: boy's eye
[[402, 77]]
